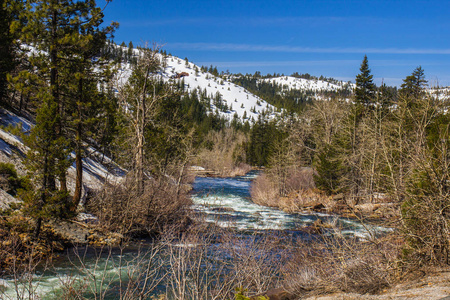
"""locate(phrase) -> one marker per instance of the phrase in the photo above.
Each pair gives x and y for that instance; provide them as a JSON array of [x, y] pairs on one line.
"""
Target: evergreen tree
[[130, 51], [63, 33], [414, 84], [365, 88], [262, 136], [85, 104], [9, 17]]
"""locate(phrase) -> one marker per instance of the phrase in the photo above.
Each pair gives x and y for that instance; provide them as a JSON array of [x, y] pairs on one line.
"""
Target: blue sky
[[320, 37]]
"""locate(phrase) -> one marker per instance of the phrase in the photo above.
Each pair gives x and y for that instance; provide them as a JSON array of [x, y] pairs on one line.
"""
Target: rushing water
[[226, 201], [223, 201]]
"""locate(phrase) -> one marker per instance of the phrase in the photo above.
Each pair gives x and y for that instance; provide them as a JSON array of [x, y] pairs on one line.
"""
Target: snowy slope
[[96, 169], [440, 93], [293, 83], [238, 98]]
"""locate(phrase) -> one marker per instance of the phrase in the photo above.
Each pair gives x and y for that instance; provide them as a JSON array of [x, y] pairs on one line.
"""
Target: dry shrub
[[224, 153], [19, 249], [264, 191], [122, 209], [304, 200], [210, 263], [300, 179], [337, 263], [257, 261], [239, 170], [300, 187]]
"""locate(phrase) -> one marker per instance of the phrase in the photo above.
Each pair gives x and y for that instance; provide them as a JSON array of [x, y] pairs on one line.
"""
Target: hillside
[[228, 95], [97, 168], [225, 97], [315, 85]]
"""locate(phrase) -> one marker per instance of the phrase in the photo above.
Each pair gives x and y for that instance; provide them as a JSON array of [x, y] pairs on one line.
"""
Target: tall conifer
[[365, 88], [63, 36]]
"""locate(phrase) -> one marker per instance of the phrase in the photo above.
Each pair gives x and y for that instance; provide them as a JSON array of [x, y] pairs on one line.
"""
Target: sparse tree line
[[383, 145]]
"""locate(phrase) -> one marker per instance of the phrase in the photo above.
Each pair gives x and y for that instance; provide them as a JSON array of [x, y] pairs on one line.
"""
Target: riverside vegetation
[[377, 152]]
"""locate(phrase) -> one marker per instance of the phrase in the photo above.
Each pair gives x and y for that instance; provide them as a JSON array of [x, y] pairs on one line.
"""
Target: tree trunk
[[78, 157], [53, 84], [141, 122], [37, 228]]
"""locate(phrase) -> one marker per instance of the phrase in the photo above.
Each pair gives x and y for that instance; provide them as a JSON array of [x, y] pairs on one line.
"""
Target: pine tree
[[365, 88], [85, 98], [130, 51], [414, 84], [62, 32], [9, 17]]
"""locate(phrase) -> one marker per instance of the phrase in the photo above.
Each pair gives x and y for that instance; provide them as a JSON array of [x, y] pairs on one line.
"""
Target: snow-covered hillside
[[97, 168], [294, 83], [441, 93], [238, 100]]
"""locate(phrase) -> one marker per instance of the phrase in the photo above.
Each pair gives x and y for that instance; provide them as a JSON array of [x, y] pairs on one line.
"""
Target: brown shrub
[[264, 192], [300, 187], [343, 264], [122, 209], [300, 179], [224, 153]]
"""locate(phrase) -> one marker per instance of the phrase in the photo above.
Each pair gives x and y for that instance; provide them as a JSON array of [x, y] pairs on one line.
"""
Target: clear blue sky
[[320, 37]]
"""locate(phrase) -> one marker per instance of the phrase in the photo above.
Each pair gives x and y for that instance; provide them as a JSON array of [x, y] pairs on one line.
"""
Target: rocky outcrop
[[6, 200]]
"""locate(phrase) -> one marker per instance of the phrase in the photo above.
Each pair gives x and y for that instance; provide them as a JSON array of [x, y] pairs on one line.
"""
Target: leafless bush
[[194, 272], [21, 265], [300, 187], [240, 170], [212, 264], [257, 261], [123, 209], [343, 264], [300, 179], [264, 192], [110, 274], [224, 153]]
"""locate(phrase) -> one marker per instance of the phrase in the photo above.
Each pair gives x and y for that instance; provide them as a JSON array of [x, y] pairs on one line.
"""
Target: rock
[[367, 207], [87, 218], [6, 200], [316, 206], [222, 209], [196, 168], [338, 197]]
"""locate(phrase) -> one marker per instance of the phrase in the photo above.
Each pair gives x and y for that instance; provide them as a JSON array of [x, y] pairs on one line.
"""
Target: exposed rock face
[[6, 200]]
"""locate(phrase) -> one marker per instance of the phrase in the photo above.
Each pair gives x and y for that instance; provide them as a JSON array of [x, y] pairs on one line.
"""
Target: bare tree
[[139, 98]]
